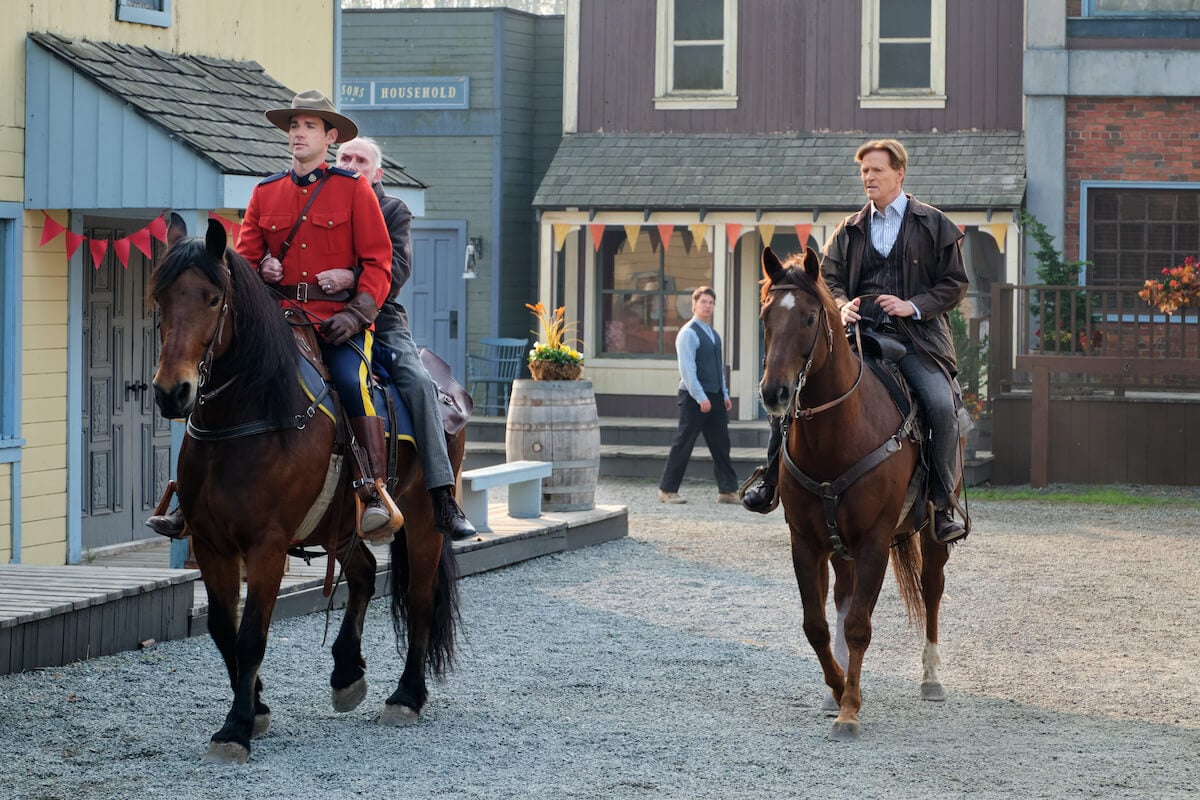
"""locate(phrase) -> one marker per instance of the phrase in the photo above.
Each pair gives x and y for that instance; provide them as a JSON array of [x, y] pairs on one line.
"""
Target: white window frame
[[664, 79], [932, 97]]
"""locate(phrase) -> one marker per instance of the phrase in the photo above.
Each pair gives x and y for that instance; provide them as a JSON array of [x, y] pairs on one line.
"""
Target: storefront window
[[646, 288]]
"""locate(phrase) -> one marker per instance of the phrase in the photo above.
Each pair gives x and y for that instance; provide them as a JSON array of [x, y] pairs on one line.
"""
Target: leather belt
[[303, 292]]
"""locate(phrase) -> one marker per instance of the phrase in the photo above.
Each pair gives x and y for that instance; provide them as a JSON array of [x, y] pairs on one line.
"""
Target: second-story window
[[696, 58], [903, 54]]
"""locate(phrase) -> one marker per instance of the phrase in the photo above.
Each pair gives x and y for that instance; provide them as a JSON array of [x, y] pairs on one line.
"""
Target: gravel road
[[672, 665]]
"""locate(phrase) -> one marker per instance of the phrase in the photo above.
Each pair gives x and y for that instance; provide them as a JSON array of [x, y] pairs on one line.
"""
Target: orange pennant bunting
[[50, 228], [121, 247], [664, 235], [802, 233], [98, 247], [962, 228], [158, 229], [597, 232], [73, 242], [141, 240], [732, 231]]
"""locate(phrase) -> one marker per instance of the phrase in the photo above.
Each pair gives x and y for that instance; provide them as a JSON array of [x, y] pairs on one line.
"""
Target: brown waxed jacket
[[935, 279]]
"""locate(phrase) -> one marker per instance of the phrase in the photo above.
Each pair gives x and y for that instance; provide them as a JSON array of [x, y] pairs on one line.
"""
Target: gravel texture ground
[[672, 665]]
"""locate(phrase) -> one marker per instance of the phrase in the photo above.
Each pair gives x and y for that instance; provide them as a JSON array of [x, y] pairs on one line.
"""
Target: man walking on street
[[703, 403]]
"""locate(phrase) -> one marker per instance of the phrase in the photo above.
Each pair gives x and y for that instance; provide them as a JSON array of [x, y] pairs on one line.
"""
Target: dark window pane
[[1161, 206], [1105, 205], [1133, 205], [903, 66], [1155, 228], [904, 19], [1187, 239], [1105, 237], [1132, 236], [699, 67], [699, 19], [1160, 237]]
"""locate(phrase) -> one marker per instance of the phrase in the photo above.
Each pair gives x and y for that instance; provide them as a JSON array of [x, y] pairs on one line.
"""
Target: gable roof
[[969, 170], [212, 105]]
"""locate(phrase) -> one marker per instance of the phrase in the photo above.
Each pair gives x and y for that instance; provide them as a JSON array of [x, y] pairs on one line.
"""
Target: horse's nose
[[775, 397], [174, 402]]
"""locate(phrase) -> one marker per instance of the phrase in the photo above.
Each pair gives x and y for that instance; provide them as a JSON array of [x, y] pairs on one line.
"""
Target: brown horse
[[844, 484], [254, 463]]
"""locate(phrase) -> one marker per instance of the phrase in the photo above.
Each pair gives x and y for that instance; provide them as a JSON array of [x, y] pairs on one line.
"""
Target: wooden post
[[1039, 439]]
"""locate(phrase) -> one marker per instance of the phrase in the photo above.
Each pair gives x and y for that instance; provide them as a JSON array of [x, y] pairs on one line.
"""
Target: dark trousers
[[937, 406], [715, 427]]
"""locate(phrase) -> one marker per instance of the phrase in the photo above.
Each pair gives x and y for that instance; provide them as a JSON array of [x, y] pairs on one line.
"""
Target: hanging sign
[[444, 93]]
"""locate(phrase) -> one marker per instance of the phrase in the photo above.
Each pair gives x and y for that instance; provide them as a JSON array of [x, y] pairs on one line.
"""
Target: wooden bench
[[524, 481]]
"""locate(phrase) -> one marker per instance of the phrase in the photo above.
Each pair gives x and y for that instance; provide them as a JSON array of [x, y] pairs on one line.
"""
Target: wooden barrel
[[556, 421]]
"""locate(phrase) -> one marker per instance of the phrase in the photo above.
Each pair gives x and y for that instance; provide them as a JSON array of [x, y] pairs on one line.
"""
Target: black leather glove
[[357, 315]]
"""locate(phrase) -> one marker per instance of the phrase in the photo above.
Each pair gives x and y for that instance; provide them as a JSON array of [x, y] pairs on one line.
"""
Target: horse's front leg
[[348, 681], [264, 572], [870, 570], [812, 578], [843, 592]]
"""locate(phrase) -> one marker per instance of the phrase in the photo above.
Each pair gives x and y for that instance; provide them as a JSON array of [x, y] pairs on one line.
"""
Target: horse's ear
[[812, 264], [176, 229], [772, 269], [215, 240]]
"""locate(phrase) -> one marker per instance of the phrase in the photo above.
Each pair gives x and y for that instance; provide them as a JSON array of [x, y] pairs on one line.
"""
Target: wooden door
[[435, 296], [126, 443]]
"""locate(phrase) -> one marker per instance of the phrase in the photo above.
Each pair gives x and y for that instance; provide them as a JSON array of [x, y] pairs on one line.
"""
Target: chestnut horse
[[844, 484], [254, 463]]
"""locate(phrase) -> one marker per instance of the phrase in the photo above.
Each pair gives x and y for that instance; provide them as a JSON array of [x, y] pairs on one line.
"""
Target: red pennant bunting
[[121, 247], [73, 242], [141, 240], [802, 233], [732, 231], [158, 229], [235, 233], [664, 234], [97, 246], [227, 224], [597, 232], [50, 228], [962, 228]]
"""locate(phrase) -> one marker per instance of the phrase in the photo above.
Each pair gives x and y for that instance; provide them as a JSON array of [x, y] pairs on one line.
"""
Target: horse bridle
[[795, 409], [205, 365]]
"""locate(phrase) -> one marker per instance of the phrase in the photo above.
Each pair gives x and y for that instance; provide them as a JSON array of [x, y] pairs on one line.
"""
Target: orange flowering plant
[[1178, 287], [554, 358]]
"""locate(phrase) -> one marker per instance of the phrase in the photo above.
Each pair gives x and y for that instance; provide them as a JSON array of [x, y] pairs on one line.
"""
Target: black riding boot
[[171, 525], [448, 516], [380, 517], [763, 497]]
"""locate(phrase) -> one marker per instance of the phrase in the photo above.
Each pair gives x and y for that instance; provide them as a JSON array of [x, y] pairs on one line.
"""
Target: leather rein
[[830, 492], [255, 427]]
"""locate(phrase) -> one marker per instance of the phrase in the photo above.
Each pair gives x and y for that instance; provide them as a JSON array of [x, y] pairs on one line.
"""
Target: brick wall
[[1127, 139], [1074, 8]]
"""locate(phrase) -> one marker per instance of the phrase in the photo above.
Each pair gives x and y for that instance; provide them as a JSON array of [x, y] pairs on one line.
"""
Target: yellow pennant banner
[[700, 233], [561, 231], [766, 232], [631, 235], [999, 232]]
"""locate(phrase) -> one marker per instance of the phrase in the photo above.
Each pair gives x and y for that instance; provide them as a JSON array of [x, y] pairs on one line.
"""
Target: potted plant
[[1066, 314], [1178, 287], [554, 359]]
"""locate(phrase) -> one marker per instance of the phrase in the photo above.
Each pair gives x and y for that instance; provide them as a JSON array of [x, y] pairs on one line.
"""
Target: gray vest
[[708, 359]]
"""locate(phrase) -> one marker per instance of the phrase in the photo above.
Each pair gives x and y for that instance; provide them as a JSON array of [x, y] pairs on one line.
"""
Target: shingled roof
[[215, 106], [970, 170]]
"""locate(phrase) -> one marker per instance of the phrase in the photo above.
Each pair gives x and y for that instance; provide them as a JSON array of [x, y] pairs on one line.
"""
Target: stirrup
[[753, 481], [385, 533]]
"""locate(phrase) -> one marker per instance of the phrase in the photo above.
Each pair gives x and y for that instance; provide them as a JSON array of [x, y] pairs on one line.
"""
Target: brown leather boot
[[380, 519]]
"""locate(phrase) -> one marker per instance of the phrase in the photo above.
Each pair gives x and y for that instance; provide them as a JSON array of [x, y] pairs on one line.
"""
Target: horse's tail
[[906, 566], [439, 653]]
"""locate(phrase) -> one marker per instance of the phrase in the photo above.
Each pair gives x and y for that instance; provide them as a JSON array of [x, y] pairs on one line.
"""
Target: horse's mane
[[795, 275], [264, 356]]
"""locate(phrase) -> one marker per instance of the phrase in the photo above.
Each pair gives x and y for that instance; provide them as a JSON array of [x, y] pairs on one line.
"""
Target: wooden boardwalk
[[55, 615]]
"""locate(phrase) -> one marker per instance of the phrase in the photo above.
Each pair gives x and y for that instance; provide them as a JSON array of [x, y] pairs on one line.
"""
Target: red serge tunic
[[343, 228]]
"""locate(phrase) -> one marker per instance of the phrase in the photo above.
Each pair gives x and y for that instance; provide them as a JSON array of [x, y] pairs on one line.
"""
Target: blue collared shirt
[[686, 345], [885, 227]]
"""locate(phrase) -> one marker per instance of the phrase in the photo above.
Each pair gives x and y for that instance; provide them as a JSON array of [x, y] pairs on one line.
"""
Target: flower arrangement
[[1178, 287], [972, 404], [554, 359]]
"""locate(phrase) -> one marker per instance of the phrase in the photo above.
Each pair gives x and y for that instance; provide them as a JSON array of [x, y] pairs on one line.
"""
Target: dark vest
[[881, 274], [708, 359]]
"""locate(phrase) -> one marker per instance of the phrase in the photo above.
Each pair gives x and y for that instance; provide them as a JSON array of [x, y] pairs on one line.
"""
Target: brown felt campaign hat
[[315, 103]]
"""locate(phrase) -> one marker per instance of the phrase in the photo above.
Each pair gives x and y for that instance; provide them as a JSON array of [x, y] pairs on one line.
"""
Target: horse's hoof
[[348, 699], [844, 732], [398, 714], [829, 706], [932, 691], [261, 723], [226, 753]]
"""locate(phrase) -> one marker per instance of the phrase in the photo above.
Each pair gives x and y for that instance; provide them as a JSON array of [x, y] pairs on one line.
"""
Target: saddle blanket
[[313, 384]]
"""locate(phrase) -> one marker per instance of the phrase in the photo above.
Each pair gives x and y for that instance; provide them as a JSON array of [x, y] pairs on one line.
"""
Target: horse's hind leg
[[933, 581], [264, 572], [348, 681]]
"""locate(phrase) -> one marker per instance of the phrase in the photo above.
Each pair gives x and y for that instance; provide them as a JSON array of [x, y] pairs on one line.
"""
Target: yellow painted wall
[[293, 41], [44, 396]]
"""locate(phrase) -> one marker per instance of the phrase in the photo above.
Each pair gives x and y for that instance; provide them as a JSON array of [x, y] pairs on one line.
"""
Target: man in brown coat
[[897, 265]]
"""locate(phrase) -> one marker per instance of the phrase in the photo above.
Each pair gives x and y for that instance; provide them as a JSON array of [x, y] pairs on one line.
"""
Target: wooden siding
[[1100, 440], [799, 69]]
